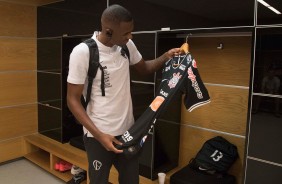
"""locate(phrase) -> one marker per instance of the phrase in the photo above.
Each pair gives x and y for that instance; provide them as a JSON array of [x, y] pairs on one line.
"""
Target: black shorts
[[100, 162]]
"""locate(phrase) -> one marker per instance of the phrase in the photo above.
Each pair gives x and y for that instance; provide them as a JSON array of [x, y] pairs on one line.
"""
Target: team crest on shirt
[[174, 80]]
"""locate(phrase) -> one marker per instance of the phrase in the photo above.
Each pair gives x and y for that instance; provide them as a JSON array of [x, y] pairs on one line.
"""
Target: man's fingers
[[117, 150], [117, 141]]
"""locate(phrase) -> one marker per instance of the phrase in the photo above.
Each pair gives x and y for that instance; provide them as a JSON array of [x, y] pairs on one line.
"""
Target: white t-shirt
[[112, 113]]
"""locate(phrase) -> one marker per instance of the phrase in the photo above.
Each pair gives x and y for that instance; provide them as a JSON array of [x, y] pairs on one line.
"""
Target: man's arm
[[73, 100], [150, 66]]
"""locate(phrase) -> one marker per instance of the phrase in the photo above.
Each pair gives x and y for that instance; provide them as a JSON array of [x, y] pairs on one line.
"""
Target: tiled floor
[[23, 171]]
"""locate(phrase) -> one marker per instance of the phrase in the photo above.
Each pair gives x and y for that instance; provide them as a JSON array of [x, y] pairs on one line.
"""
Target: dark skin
[[120, 33]]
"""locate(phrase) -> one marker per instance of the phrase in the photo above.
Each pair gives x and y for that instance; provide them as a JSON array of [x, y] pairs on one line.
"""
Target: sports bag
[[216, 156], [188, 175]]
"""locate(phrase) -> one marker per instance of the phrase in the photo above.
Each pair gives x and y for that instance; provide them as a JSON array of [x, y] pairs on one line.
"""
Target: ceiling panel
[[31, 2]]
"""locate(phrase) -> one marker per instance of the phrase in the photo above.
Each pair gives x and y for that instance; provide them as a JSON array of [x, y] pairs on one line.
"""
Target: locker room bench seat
[[45, 152]]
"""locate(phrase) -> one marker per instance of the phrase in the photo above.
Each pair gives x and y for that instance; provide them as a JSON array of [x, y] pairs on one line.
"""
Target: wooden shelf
[[40, 158], [45, 152], [66, 176]]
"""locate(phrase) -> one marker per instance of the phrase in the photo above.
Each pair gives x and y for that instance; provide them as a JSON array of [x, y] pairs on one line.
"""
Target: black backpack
[[188, 175], [216, 156], [94, 64]]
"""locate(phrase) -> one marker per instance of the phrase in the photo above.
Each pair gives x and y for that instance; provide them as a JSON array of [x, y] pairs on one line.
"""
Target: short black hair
[[116, 14]]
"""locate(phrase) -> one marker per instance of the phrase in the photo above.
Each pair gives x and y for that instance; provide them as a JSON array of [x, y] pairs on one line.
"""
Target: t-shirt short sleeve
[[78, 64], [135, 55]]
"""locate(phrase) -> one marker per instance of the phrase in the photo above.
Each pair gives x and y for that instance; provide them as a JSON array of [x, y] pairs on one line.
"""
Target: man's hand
[[107, 141], [173, 52]]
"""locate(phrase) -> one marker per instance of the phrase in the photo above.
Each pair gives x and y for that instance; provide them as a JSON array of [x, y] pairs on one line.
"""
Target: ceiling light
[[268, 6], [263, 3], [273, 9]]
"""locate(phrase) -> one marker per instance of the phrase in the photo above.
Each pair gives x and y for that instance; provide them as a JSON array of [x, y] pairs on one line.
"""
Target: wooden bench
[[45, 152]]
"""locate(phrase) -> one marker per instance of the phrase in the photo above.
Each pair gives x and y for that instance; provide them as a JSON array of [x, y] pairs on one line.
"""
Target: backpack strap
[[126, 51], [92, 70], [94, 64]]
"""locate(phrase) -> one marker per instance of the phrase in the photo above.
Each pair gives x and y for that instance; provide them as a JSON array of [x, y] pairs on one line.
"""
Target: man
[[108, 117]]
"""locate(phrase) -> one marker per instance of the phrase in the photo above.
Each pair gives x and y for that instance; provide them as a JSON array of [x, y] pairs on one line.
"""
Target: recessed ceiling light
[[268, 6]]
